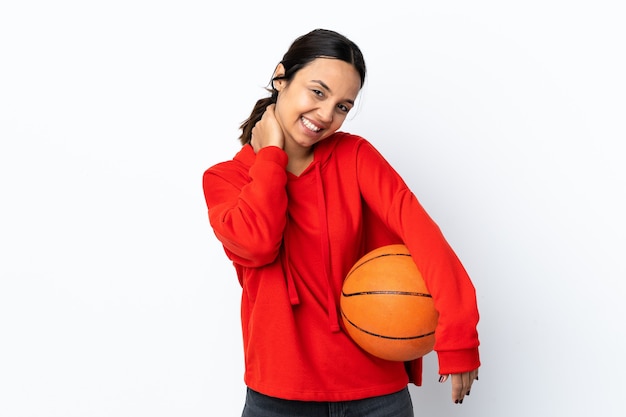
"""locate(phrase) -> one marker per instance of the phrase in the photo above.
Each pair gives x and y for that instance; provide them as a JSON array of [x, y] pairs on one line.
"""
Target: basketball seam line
[[412, 293], [383, 336], [376, 257]]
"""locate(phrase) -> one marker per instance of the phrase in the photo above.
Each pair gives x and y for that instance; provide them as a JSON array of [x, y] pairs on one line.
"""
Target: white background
[[505, 118]]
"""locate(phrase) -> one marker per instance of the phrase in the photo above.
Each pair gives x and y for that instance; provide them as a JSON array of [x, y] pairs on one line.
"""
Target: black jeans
[[398, 404]]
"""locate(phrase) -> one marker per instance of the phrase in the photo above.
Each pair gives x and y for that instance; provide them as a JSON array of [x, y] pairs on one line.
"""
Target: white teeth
[[310, 125]]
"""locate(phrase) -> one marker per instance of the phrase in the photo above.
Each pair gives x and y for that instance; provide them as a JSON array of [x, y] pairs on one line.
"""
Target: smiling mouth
[[309, 125]]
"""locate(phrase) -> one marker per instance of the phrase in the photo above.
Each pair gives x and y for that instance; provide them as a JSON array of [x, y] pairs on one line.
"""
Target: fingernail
[[467, 393], [441, 378], [456, 401], [476, 378], [460, 401]]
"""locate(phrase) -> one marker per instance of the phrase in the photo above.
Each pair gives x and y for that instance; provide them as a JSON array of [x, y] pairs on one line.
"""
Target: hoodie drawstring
[[325, 242], [291, 285]]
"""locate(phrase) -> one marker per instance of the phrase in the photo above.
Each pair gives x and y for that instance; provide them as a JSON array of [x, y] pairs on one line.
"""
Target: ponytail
[[255, 116]]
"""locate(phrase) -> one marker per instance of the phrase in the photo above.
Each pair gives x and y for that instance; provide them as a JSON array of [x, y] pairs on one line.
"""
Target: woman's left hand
[[461, 384]]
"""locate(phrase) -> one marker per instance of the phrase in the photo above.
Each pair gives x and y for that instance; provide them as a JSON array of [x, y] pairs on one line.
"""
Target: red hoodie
[[292, 240]]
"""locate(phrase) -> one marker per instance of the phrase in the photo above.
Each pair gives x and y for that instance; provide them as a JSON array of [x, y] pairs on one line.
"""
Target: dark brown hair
[[315, 44]]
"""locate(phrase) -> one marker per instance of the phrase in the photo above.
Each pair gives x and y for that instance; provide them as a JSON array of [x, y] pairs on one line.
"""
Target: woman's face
[[314, 104]]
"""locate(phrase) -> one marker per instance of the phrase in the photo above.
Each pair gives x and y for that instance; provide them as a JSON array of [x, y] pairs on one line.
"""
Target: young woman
[[295, 208]]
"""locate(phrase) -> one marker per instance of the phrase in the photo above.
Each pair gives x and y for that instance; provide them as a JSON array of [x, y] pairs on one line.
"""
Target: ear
[[279, 72]]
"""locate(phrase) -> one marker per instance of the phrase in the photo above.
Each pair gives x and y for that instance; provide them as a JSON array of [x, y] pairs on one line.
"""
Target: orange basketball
[[385, 305]]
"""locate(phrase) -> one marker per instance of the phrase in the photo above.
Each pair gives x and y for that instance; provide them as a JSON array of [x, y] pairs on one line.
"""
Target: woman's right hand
[[267, 131]]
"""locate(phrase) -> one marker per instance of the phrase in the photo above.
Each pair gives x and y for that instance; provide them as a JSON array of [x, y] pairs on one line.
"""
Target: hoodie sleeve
[[247, 210], [387, 195]]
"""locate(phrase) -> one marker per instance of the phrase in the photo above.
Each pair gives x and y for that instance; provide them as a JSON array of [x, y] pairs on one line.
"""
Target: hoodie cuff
[[273, 154], [458, 361]]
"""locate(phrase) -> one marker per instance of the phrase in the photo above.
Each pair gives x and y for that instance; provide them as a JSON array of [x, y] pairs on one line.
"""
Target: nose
[[325, 112]]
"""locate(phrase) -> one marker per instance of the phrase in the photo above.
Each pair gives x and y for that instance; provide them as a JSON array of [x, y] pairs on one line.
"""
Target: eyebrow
[[327, 88]]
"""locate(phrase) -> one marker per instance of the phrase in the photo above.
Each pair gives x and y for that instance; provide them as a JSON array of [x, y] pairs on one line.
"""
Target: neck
[[299, 158]]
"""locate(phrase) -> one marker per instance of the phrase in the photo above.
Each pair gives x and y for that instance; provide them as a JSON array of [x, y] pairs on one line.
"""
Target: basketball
[[385, 306]]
